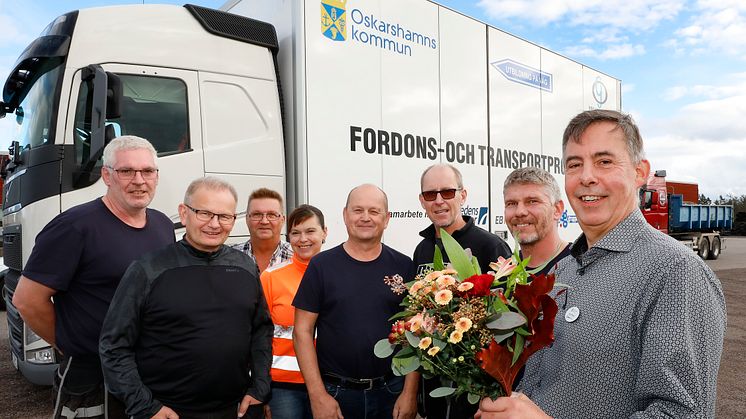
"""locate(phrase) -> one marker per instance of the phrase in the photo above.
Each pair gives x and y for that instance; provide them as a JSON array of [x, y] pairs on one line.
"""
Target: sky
[[682, 64]]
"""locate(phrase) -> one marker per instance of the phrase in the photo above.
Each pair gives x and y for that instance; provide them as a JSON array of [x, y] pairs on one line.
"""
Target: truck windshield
[[36, 114]]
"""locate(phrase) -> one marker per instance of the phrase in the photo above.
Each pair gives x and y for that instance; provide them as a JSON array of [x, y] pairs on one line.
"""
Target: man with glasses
[[264, 217], [76, 265], [188, 333], [443, 194]]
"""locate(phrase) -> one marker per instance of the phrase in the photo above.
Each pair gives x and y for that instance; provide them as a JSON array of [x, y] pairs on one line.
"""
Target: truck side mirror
[[647, 199]]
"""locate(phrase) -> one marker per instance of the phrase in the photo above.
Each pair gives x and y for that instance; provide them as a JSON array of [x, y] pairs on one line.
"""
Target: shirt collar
[[429, 232], [621, 238]]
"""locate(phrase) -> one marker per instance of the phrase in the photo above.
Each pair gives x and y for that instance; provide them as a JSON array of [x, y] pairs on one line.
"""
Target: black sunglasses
[[445, 194]]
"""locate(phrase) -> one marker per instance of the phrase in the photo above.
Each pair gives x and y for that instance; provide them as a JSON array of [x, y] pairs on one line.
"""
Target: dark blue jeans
[[290, 401], [377, 403]]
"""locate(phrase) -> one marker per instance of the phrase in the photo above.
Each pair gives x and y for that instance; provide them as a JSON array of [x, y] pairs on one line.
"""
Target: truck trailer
[[309, 97], [699, 227]]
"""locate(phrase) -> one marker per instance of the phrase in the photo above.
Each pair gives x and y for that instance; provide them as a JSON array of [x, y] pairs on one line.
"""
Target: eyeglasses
[[204, 215], [129, 174], [271, 216], [445, 194]]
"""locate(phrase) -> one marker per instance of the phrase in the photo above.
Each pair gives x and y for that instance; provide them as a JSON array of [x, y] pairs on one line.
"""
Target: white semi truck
[[371, 91]]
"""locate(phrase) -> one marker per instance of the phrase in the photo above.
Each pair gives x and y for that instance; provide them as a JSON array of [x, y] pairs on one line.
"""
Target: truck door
[[158, 104]]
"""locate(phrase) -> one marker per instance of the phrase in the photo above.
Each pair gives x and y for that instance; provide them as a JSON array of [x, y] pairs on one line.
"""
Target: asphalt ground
[[19, 399]]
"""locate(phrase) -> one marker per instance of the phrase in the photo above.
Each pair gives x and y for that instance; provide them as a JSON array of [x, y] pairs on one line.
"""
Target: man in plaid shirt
[[265, 218]]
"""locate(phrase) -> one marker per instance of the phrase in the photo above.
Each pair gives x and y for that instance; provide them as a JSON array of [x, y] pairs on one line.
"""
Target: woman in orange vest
[[306, 234]]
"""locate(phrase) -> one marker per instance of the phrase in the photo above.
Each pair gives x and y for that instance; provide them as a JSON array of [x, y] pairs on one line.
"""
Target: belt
[[355, 383]]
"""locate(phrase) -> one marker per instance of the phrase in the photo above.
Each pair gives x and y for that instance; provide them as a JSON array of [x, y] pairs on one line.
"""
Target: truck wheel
[[704, 248], [715, 250]]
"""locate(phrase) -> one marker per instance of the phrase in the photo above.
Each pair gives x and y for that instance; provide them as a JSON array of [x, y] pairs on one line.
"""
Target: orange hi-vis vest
[[280, 283]]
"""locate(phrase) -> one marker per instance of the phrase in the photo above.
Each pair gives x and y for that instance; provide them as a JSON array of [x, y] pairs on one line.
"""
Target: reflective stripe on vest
[[285, 366]]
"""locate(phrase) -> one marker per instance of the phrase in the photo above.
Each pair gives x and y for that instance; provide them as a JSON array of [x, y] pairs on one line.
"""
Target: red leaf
[[532, 300]]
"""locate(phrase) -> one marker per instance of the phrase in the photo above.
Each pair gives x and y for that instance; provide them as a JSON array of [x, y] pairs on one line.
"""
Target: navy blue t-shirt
[[83, 253], [354, 304]]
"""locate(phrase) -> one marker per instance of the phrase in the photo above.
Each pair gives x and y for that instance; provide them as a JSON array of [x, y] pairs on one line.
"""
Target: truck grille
[[12, 247], [15, 323]]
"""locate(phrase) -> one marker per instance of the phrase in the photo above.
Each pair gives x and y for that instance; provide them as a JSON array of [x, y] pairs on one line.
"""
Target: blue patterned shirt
[[282, 254], [649, 335]]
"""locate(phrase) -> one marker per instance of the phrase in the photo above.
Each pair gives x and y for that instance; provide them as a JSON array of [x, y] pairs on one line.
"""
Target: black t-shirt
[[354, 304], [83, 253], [486, 246]]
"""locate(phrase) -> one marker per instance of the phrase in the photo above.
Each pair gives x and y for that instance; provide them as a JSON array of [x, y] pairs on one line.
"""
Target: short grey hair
[[208, 182], [534, 176], [127, 142], [623, 122], [459, 178]]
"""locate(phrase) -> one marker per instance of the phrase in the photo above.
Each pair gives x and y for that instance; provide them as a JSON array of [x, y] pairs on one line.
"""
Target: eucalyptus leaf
[[473, 398], [461, 263], [403, 366], [438, 260], [384, 348], [412, 339], [401, 315], [502, 336], [507, 320], [442, 392], [518, 348], [405, 352], [439, 343]]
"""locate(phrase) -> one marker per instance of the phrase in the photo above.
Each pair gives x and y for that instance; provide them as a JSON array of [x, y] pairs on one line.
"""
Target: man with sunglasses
[[264, 217], [443, 194], [188, 333], [75, 267]]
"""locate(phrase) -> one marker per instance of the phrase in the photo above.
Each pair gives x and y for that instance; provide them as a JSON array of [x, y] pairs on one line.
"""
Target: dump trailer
[[698, 226]]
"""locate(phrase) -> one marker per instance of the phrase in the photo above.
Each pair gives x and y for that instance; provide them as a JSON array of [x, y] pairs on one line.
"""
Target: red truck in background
[[672, 208]]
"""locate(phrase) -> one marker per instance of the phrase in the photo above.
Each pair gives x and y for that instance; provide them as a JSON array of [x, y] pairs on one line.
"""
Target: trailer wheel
[[704, 248], [715, 251]]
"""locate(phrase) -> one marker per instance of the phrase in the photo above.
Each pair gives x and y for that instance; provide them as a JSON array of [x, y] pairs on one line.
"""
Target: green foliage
[[461, 263], [442, 392], [384, 348]]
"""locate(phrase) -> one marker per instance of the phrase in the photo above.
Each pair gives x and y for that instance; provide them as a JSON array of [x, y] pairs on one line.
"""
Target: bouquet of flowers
[[475, 330]]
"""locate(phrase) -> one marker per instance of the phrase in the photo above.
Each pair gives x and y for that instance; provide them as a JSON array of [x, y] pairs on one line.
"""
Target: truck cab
[[93, 75]]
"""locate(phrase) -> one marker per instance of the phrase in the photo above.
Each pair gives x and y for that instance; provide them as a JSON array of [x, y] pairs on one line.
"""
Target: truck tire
[[715, 250], [703, 248]]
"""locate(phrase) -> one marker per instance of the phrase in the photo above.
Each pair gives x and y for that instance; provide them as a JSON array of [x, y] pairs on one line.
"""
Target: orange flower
[[432, 275], [425, 342], [443, 297], [415, 322], [463, 324], [416, 287], [445, 281], [465, 286], [432, 351], [455, 337], [449, 271]]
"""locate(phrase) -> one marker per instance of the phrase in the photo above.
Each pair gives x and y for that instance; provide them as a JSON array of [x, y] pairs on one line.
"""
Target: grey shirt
[[649, 335]]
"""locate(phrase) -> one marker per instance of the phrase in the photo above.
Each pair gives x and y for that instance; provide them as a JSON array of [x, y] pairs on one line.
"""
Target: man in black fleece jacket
[[188, 332]]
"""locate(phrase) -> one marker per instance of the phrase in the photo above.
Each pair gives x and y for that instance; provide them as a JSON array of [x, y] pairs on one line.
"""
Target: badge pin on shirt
[[572, 314]]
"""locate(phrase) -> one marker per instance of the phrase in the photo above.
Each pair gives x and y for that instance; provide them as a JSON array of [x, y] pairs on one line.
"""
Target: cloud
[[704, 140], [624, 14], [611, 52], [715, 26], [691, 159]]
